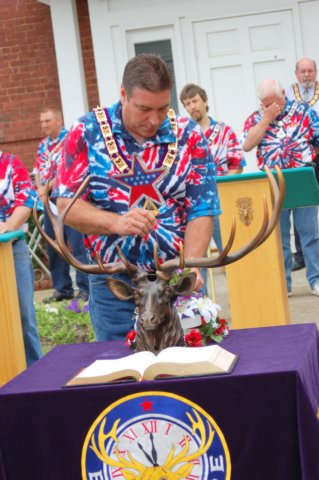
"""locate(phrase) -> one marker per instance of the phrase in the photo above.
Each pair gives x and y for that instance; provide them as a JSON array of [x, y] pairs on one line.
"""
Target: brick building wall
[[28, 74]]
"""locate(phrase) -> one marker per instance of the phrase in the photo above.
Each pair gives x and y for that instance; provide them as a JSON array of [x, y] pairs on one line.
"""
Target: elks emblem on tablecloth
[[155, 435], [142, 182]]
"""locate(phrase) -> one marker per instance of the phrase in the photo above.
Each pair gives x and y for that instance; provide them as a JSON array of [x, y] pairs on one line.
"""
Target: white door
[[235, 54], [160, 40]]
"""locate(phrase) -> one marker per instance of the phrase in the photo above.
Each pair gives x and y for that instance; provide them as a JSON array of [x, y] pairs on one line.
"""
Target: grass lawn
[[63, 322]]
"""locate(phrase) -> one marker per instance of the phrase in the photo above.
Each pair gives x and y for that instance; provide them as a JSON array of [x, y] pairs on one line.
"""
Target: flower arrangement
[[200, 321]]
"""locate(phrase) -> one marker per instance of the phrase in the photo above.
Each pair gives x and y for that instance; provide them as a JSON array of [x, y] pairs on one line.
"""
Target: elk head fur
[[158, 325]]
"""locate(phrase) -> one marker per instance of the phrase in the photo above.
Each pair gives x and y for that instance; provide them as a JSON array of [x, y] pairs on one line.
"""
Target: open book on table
[[172, 361]]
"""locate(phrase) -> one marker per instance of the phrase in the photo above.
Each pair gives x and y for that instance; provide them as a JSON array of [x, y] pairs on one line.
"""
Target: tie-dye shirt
[[312, 100], [301, 126], [188, 189], [48, 157], [224, 147], [16, 188]]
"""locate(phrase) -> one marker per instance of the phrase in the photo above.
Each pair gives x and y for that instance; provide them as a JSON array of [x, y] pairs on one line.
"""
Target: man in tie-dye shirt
[[138, 155], [45, 170], [223, 143], [286, 134], [306, 90], [16, 201]]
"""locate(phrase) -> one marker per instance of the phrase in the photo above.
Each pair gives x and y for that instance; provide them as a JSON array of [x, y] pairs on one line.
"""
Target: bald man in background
[[305, 90]]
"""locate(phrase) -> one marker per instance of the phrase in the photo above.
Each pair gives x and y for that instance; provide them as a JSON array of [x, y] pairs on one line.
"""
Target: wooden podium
[[256, 283], [12, 354]]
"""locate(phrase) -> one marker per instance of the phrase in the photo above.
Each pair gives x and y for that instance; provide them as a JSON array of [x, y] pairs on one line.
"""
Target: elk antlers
[[59, 245], [225, 258]]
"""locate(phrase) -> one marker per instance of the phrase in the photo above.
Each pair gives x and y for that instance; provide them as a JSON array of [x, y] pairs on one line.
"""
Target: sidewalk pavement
[[304, 307]]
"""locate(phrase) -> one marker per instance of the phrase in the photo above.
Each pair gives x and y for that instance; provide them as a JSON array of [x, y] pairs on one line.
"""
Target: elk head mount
[[158, 325]]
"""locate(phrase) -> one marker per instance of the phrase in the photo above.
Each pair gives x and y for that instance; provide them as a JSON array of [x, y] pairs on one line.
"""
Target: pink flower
[[193, 338]]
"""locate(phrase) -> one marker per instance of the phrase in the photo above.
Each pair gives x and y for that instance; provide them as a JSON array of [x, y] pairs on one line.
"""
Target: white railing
[[34, 244]]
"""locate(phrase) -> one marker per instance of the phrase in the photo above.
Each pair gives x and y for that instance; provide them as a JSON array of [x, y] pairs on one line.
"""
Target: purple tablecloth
[[267, 408]]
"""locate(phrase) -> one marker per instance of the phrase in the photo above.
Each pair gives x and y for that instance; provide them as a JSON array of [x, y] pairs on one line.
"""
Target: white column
[[108, 65], [69, 59]]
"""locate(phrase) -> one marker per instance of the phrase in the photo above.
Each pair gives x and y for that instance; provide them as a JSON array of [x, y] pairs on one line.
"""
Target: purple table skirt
[[267, 407]]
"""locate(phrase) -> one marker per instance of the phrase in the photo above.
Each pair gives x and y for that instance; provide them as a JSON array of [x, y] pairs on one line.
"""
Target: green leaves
[[178, 275]]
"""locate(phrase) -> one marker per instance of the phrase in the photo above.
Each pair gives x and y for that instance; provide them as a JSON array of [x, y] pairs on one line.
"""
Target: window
[[164, 49]]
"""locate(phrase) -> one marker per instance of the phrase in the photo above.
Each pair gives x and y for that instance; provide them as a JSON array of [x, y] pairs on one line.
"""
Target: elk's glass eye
[[152, 277]]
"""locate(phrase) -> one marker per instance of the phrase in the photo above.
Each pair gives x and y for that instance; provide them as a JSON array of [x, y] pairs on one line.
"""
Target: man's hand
[[88, 219], [199, 279], [4, 227], [138, 221], [271, 112], [257, 132]]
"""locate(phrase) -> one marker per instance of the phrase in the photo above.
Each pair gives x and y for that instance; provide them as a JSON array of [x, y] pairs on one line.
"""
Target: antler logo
[[137, 438], [245, 210]]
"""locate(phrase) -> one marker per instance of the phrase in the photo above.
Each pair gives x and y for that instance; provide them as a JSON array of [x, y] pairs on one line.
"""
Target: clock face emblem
[[155, 436]]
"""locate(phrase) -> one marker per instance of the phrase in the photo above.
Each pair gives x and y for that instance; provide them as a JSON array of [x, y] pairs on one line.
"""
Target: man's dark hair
[[148, 72], [191, 90]]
